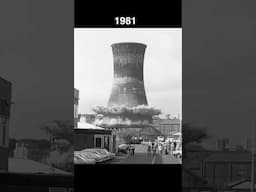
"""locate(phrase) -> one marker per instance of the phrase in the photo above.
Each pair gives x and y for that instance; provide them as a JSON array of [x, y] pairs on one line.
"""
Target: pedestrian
[[175, 144], [154, 149], [160, 149], [133, 150], [166, 149], [129, 149], [169, 148], [149, 150], [172, 148]]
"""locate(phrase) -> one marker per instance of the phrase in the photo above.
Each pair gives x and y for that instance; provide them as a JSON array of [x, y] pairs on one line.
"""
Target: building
[[76, 99], [223, 144], [91, 136], [5, 107], [249, 144], [167, 126], [193, 183], [223, 168], [37, 150]]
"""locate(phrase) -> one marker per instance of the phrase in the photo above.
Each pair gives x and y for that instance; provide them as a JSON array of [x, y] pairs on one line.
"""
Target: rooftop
[[30, 166], [229, 156], [167, 121]]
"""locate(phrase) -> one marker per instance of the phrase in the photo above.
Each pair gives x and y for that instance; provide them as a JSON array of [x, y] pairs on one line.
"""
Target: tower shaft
[[128, 85]]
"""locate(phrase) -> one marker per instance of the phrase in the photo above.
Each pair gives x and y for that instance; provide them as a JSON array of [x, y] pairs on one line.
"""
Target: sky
[[36, 56], [219, 64], [162, 66]]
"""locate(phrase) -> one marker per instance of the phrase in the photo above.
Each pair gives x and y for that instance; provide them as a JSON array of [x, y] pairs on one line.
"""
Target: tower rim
[[129, 43]]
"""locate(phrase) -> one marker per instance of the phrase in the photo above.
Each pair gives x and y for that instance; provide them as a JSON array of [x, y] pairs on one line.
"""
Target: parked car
[[92, 154], [104, 154], [82, 159], [135, 141], [123, 148]]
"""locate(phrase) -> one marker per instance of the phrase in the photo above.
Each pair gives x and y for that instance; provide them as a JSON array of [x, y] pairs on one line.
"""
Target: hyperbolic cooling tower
[[128, 86]]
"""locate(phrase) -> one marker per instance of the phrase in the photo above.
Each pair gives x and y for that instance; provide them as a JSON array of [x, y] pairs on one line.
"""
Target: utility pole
[[253, 151]]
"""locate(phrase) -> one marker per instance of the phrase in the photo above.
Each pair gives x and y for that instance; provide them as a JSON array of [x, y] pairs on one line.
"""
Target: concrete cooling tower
[[128, 85]]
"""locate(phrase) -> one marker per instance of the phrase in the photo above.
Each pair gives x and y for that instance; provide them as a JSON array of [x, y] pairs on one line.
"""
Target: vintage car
[[92, 155], [82, 159]]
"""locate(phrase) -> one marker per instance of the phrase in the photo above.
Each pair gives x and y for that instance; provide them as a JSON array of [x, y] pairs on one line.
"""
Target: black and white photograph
[[128, 95]]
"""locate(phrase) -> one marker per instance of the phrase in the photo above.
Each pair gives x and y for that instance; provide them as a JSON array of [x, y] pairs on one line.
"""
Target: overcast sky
[[219, 64], [36, 55], [162, 66]]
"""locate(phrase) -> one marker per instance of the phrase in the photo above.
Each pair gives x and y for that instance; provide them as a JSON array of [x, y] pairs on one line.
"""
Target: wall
[[83, 141], [5, 103], [220, 174]]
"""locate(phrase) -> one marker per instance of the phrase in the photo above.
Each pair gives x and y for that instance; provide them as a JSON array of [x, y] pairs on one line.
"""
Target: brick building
[[5, 106], [167, 126]]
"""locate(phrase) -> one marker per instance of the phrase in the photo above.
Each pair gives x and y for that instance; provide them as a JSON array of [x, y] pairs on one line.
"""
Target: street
[[141, 157]]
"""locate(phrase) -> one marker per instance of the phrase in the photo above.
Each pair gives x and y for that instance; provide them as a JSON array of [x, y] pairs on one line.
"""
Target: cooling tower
[[128, 84]]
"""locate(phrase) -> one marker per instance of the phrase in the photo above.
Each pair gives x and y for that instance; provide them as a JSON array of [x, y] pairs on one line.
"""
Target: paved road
[[141, 157]]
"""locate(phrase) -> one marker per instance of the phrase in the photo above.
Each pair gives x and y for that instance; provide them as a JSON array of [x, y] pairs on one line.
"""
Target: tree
[[127, 138], [62, 156], [192, 135], [60, 129]]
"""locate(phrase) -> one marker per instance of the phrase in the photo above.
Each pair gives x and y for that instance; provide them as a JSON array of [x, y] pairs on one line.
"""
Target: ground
[[141, 157]]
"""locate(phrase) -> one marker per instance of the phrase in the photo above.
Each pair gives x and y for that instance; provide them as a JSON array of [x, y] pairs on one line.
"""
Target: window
[[102, 141], [98, 142]]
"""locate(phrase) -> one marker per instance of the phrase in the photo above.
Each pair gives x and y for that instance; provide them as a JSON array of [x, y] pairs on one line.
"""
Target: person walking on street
[[160, 148], [175, 144], [133, 150], [129, 149], [149, 149], [172, 148], [166, 149], [154, 149], [169, 148]]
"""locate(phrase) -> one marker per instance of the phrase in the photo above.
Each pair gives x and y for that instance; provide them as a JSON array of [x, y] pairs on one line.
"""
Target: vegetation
[[192, 135], [60, 129], [62, 155]]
